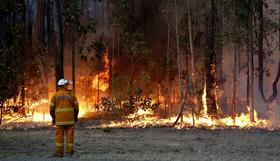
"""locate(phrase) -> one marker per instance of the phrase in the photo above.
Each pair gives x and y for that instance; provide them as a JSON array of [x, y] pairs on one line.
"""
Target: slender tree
[[250, 62], [260, 47], [192, 70], [59, 43], [210, 61], [167, 12], [180, 88]]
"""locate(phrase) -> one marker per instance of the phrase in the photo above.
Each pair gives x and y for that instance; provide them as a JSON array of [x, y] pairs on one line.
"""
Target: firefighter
[[64, 110]]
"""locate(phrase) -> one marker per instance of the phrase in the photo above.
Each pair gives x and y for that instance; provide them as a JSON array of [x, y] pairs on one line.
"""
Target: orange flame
[[100, 81], [148, 118]]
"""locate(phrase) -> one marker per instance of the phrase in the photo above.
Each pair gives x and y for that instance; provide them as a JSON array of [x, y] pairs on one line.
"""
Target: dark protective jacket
[[64, 107]]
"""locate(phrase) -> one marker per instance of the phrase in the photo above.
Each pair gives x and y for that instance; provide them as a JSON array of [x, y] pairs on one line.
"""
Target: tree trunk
[[111, 76], [192, 62], [23, 97], [222, 99], [37, 43], [235, 67], [59, 72], [250, 66], [73, 62], [210, 64], [28, 19], [179, 68], [1, 115], [275, 81], [260, 50], [168, 70], [233, 104], [98, 73]]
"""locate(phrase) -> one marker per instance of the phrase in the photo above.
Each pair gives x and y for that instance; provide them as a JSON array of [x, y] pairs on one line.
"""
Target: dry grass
[[147, 144]]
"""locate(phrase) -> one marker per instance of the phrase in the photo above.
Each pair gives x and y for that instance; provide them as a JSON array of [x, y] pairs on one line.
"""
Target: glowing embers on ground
[[36, 112], [144, 118]]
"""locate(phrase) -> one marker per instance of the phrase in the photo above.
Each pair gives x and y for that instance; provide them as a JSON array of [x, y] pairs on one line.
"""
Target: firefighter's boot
[[70, 139], [59, 139]]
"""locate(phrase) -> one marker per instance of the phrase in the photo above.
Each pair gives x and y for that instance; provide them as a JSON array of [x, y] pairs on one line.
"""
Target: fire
[[204, 101], [146, 118], [39, 112], [143, 118], [84, 108], [100, 81], [36, 112]]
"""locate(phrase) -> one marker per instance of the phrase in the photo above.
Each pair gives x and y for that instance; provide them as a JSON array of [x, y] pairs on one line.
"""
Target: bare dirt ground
[[149, 144]]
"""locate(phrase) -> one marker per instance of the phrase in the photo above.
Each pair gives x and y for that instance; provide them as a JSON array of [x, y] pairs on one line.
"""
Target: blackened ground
[[149, 144]]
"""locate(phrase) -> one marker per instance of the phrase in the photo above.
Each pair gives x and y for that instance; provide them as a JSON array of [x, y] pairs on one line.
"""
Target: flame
[[143, 118], [204, 101], [100, 81], [84, 108], [37, 114]]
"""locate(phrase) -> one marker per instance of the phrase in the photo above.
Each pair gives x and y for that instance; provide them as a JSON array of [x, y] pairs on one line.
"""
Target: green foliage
[[167, 10], [8, 74], [17, 60], [72, 14], [99, 46], [122, 17], [236, 17], [72, 18], [135, 45], [126, 105], [12, 56]]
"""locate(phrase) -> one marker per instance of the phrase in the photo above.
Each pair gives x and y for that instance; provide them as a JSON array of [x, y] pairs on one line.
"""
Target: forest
[[178, 60]]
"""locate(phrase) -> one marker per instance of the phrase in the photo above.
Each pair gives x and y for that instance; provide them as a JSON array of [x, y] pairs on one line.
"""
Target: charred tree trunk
[[38, 43], [222, 100], [233, 104], [236, 66], [1, 115], [111, 56], [210, 64], [260, 46], [1, 110], [192, 62], [73, 62], [59, 72], [23, 97], [23, 77], [168, 69], [98, 77], [179, 69], [250, 64]]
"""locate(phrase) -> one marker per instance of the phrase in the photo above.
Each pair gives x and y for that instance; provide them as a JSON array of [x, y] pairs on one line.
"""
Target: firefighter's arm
[[76, 108], [52, 109]]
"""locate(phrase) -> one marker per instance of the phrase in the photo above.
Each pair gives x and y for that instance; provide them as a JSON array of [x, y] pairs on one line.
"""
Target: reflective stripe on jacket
[[64, 107]]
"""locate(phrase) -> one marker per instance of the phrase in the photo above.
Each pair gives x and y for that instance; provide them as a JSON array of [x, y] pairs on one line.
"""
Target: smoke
[[274, 115]]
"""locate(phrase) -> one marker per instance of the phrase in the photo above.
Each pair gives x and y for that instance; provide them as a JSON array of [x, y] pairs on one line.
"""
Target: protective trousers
[[59, 139]]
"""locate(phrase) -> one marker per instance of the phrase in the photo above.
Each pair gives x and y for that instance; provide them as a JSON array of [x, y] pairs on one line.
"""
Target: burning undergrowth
[[136, 112]]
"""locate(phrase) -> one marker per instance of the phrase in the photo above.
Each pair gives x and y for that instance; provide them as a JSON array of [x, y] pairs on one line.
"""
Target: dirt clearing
[[150, 144]]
